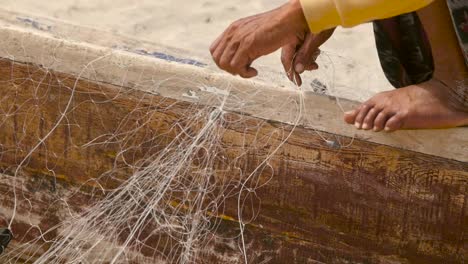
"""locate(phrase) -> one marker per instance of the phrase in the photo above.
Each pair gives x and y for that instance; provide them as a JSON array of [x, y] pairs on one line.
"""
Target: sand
[[349, 64]]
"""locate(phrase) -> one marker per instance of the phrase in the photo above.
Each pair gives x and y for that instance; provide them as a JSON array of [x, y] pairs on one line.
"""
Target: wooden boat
[[383, 198]]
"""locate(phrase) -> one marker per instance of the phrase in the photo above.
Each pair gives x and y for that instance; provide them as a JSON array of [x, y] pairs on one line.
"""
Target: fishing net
[[136, 156]]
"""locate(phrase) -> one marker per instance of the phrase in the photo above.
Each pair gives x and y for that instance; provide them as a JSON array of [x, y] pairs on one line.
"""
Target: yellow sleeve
[[325, 14]]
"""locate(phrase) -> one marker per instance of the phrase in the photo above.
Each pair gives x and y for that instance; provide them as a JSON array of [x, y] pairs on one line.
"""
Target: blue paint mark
[[155, 54], [34, 24], [167, 57]]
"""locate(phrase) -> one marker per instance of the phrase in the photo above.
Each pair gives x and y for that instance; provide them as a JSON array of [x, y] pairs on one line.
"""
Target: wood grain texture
[[142, 65], [366, 203]]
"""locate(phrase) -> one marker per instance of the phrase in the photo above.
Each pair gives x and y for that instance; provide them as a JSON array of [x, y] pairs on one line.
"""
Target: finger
[[308, 52], [313, 66], [249, 72], [218, 41], [214, 46], [225, 62], [241, 62], [219, 52], [287, 57], [316, 54], [215, 43], [297, 79]]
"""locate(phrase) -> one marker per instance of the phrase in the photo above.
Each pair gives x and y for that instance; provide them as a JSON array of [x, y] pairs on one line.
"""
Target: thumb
[[287, 57], [305, 54], [309, 50]]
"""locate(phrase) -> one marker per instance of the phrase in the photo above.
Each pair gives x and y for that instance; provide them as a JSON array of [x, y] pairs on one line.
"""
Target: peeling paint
[[167, 57], [214, 90], [191, 94], [34, 24]]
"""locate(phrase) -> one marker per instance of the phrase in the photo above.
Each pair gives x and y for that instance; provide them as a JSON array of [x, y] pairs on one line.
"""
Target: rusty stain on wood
[[367, 203]]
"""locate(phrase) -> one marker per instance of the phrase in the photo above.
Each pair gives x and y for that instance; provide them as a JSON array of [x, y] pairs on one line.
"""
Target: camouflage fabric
[[5, 238], [404, 50], [459, 11]]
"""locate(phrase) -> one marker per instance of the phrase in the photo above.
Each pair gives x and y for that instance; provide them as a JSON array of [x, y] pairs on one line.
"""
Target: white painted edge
[[131, 63]]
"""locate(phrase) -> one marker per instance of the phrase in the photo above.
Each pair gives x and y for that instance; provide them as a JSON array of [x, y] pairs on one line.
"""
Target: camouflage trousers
[[403, 47]]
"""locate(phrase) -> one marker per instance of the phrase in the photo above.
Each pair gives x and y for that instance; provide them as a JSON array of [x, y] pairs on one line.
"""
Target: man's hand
[[250, 38], [300, 56]]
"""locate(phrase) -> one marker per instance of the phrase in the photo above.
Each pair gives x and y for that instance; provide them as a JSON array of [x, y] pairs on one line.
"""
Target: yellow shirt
[[325, 14]]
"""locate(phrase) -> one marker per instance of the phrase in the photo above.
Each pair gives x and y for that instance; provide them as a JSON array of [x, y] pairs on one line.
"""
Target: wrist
[[295, 16]]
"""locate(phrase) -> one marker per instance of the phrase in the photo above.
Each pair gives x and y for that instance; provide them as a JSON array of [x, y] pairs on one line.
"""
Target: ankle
[[457, 93]]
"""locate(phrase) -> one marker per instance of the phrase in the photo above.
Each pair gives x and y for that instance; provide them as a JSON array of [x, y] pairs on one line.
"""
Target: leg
[[435, 103], [404, 51]]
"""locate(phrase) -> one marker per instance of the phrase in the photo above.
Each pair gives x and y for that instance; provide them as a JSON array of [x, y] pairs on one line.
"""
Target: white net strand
[[166, 207], [144, 200]]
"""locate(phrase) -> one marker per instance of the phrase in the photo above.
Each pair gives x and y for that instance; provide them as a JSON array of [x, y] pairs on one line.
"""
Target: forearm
[[325, 14]]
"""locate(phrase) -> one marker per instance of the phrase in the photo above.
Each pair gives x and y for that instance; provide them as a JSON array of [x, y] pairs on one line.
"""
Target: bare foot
[[426, 105]]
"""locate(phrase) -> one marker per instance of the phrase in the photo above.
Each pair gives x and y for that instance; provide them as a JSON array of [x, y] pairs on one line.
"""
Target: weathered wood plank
[[366, 203], [134, 64]]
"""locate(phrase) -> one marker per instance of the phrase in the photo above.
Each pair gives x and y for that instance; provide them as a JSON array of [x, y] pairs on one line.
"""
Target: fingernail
[[365, 126], [376, 129], [357, 125], [299, 68], [348, 113], [387, 129]]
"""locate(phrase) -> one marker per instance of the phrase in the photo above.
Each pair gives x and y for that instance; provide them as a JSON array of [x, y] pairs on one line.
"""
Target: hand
[[250, 38], [300, 56]]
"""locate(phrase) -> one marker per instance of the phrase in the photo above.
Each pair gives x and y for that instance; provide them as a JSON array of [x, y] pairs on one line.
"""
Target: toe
[[380, 121], [394, 123], [350, 116], [361, 115], [368, 122]]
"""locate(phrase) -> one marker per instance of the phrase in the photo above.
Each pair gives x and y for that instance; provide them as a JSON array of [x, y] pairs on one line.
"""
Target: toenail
[[387, 129], [357, 125], [365, 126], [376, 129], [348, 113]]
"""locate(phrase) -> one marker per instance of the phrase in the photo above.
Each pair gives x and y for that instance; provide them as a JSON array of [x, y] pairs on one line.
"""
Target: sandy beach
[[349, 63]]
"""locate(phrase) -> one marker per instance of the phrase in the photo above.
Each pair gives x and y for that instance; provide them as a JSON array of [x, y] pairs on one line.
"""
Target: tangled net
[[167, 208], [173, 165]]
